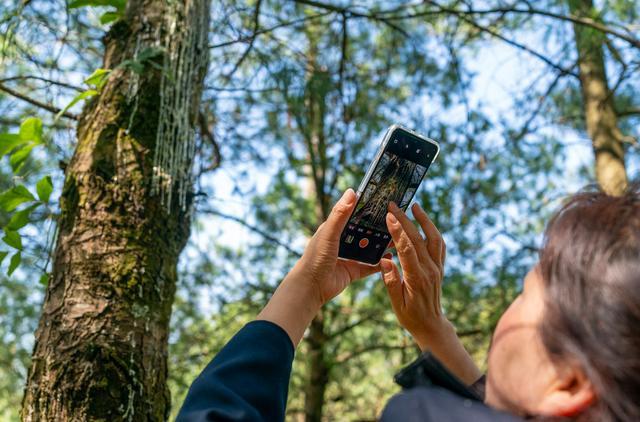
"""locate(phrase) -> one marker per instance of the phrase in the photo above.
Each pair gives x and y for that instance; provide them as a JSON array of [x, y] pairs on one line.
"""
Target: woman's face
[[519, 371]]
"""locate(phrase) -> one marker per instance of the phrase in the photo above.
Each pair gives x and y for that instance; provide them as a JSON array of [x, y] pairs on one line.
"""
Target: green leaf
[[109, 17], [10, 199], [31, 130], [149, 53], [134, 65], [18, 158], [20, 218], [118, 4], [98, 78], [82, 96], [44, 188], [13, 264], [3, 255], [44, 279], [8, 142], [13, 239]]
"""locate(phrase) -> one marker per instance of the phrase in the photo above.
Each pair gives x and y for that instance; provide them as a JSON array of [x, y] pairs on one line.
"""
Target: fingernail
[[348, 197], [393, 219]]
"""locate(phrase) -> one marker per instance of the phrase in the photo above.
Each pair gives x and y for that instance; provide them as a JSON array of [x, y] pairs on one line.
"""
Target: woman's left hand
[[318, 276], [320, 265]]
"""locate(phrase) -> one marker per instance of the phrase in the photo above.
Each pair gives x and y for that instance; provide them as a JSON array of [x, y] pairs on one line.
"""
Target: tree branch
[[270, 29], [351, 13], [522, 47], [629, 112], [37, 103], [38, 78], [256, 26], [251, 227], [530, 11]]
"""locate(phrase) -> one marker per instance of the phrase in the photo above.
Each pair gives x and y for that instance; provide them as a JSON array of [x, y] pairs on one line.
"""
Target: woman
[[567, 347]]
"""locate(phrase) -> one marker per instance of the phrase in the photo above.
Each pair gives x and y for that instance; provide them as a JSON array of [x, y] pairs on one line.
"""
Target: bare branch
[[349, 13], [245, 54], [251, 227], [38, 78], [522, 47], [208, 134], [529, 11], [37, 103], [629, 112], [270, 29]]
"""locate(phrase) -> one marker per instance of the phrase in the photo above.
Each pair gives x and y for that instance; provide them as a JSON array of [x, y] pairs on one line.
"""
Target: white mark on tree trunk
[[185, 60]]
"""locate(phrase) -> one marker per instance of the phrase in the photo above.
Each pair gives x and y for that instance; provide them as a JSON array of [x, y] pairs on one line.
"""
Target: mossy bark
[[599, 112], [101, 344]]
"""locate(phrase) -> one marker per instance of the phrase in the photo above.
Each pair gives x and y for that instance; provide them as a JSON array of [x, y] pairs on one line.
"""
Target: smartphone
[[394, 175]]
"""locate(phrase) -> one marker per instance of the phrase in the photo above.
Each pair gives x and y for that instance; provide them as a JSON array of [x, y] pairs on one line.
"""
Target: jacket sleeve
[[434, 404], [246, 381]]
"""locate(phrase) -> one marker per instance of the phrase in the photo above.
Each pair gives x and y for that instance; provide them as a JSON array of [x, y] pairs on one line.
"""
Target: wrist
[[437, 331], [301, 290], [293, 305]]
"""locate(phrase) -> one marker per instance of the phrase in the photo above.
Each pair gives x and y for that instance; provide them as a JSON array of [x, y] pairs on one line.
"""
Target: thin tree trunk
[[101, 344], [318, 371], [599, 112], [316, 110]]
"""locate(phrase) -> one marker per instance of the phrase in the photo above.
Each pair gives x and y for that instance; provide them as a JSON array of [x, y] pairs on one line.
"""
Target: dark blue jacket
[[249, 378]]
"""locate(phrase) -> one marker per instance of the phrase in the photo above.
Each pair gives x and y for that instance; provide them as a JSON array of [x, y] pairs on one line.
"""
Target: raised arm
[[416, 297], [249, 377]]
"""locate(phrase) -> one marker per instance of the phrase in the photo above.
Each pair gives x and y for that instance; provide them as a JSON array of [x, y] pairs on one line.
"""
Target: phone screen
[[396, 177]]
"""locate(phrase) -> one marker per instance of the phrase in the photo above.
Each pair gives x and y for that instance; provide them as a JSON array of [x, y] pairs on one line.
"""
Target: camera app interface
[[396, 177]]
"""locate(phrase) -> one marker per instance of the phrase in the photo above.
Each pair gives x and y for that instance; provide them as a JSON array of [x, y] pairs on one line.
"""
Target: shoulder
[[437, 404]]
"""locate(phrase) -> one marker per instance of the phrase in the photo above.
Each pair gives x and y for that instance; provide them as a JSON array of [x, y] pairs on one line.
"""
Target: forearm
[[445, 345], [293, 305]]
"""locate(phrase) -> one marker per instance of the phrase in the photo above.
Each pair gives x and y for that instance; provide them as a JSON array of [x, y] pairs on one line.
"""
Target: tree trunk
[[318, 371], [101, 344], [600, 116], [316, 142]]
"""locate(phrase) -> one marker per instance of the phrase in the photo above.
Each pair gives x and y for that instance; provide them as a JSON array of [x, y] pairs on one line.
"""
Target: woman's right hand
[[416, 298]]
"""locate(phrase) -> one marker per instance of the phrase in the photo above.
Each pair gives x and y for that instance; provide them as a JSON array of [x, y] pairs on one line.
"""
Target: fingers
[[332, 228], [411, 232], [358, 270], [393, 283], [404, 246], [435, 243]]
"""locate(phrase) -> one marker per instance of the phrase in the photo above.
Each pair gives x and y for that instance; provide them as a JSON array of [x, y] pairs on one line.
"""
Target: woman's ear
[[569, 394]]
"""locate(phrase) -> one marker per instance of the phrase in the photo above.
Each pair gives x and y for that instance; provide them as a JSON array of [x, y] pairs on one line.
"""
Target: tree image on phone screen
[[394, 179]]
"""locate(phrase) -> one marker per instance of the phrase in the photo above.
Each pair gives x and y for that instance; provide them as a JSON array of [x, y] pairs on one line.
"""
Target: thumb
[[393, 282], [332, 228]]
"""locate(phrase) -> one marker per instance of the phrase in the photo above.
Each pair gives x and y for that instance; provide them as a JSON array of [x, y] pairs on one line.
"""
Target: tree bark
[[101, 344], [600, 116]]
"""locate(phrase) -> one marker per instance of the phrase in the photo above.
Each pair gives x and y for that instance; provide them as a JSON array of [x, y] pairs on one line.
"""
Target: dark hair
[[590, 264]]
